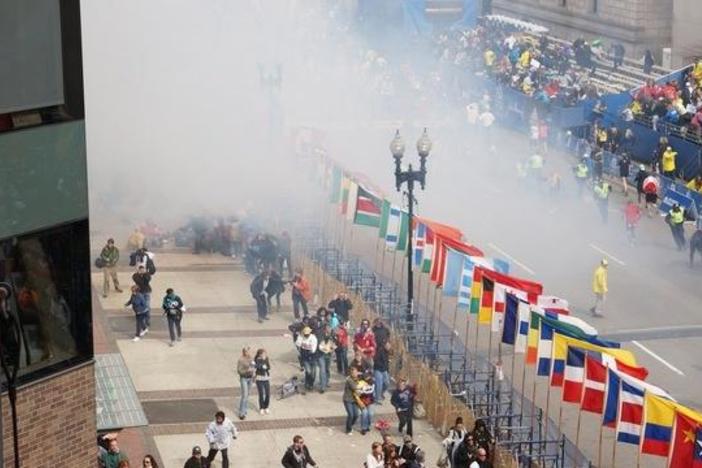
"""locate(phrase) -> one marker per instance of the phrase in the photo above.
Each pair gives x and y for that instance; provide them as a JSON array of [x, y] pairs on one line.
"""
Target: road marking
[[509, 257], [659, 359], [606, 254]]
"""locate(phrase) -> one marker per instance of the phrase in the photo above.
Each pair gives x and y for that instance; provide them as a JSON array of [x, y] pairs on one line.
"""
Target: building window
[[45, 308]]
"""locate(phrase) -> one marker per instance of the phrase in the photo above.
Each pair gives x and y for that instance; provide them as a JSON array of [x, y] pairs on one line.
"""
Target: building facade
[[687, 39], [47, 377], [637, 24]]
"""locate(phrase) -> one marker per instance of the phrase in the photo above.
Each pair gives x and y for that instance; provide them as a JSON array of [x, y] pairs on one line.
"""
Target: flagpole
[[490, 342], [599, 445], [392, 275], [375, 257], [577, 427], [614, 446], [477, 337], [351, 239], [524, 367], [433, 310], [548, 405], [382, 260], [453, 333]]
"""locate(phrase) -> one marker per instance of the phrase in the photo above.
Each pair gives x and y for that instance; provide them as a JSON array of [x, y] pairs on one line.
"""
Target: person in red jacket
[[364, 340], [341, 338], [632, 215], [301, 293]]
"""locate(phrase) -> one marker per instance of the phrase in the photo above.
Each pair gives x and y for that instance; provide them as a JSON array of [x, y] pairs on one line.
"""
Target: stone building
[[637, 24]]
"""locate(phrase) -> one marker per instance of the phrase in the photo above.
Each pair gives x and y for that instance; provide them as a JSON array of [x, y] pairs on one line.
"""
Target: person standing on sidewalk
[[109, 257], [676, 220], [298, 455], [351, 399], [245, 367], [219, 435], [341, 339], [599, 288], [403, 400], [173, 308], [258, 292], [138, 303], [143, 280], [324, 351], [306, 343], [263, 380], [301, 293], [381, 377], [275, 288]]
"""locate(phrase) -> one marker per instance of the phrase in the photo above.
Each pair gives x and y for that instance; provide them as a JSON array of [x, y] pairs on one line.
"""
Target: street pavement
[[181, 387]]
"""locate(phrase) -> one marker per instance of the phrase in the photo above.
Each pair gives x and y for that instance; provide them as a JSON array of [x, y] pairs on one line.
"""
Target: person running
[[632, 215], [599, 288], [676, 221], [109, 257], [306, 344], [641, 175], [263, 377], [245, 367], [197, 460], [624, 169], [173, 308], [602, 190], [301, 293], [650, 188], [138, 303], [143, 280], [351, 399], [297, 455], [581, 171], [219, 435], [402, 400], [375, 459]]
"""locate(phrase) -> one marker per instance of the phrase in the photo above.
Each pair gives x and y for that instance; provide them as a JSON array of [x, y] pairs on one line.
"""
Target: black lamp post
[[409, 177]]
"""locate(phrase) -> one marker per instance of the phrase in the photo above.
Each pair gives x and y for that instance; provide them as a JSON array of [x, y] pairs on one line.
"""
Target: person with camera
[[173, 308]]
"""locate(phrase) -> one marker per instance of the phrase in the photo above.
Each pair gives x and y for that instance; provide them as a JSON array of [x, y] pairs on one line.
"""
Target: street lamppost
[[409, 177]]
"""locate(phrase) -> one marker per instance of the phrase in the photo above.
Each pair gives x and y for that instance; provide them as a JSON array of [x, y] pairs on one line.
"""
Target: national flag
[[487, 290], [561, 342], [476, 290], [453, 273], [428, 252], [533, 338], [574, 375], [553, 304], [516, 326], [384, 220], [433, 228], [420, 237], [368, 208], [441, 246], [686, 449], [630, 420], [638, 372], [335, 186], [465, 287], [544, 349], [616, 381], [594, 385], [659, 416], [524, 289], [351, 201], [564, 323], [344, 194], [396, 233]]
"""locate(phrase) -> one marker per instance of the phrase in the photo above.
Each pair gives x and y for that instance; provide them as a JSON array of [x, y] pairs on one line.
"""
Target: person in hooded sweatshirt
[[219, 434], [297, 455]]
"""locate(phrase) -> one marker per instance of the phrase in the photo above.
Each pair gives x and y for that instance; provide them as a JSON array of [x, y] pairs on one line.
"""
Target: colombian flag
[[658, 425]]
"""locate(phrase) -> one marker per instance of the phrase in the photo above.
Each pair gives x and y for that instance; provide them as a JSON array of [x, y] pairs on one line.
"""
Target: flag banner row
[[594, 373]]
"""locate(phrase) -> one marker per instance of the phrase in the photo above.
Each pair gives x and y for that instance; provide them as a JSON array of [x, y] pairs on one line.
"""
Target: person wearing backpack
[[173, 309], [143, 281]]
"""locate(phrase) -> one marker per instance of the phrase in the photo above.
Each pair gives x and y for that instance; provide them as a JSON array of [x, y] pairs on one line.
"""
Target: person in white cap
[[599, 287]]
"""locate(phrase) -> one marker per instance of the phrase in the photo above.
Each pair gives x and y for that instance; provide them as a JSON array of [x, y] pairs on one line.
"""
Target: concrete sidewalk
[[180, 388]]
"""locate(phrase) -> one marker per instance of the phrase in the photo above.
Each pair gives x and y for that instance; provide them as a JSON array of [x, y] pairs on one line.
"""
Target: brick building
[[637, 24], [45, 300]]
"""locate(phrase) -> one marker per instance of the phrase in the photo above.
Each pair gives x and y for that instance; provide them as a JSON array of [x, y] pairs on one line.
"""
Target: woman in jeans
[[263, 377], [351, 399], [173, 308], [245, 367]]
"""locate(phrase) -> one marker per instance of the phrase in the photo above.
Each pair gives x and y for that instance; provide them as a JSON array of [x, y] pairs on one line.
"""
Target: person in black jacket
[[197, 460], [297, 455], [466, 451], [258, 289], [275, 288], [342, 305], [143, 281], [263, 377]]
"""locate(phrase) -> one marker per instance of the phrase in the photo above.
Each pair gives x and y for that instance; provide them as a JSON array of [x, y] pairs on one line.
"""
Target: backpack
[[132, 259], [100, 262], [150, 267]]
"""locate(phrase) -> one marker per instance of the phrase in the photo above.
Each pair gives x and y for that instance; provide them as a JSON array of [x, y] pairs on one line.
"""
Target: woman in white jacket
[[454, 437], [375, 459], [219, 435]]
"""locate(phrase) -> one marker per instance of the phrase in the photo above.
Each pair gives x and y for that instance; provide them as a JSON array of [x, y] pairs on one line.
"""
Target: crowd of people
[[678, 103]]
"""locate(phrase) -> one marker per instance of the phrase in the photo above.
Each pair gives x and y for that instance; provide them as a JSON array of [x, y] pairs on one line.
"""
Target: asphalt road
[[654, 302]]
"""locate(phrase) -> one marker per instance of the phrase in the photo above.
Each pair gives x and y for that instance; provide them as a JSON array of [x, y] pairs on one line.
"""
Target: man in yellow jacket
[[599, 287], [668, 162]]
